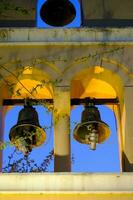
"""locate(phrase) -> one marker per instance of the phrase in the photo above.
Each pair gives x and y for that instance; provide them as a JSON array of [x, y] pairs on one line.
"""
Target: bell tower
[[76, 53]]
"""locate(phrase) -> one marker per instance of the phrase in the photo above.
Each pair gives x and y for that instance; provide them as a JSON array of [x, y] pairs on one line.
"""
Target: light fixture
[[27, 133], [92, 129]]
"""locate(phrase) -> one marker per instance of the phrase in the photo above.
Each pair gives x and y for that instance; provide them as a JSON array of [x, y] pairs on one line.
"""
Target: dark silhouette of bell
[[57, 13], [27, 133], [91, 130]]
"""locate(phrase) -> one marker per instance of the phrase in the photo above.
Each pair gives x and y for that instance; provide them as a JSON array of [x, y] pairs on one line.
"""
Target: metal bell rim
[[39, 141], [106, 127]]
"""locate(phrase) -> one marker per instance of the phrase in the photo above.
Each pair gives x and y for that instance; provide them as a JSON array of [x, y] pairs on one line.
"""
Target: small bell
[[27, 133], [57, 13], [91, 130]]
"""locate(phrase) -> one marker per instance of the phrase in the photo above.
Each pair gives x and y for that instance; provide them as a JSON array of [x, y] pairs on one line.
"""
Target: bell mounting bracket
[[74, 101]]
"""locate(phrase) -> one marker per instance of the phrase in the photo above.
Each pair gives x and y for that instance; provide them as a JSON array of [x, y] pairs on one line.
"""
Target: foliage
[[6, 6], [25, 164]]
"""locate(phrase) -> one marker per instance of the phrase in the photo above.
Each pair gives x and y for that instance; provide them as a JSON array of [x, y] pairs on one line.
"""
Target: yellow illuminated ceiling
[[32, 89], [93, 88], [29, 83], [95, 82]]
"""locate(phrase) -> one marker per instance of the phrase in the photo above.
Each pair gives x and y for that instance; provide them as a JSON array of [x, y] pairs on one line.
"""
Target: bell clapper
[[92, 136]]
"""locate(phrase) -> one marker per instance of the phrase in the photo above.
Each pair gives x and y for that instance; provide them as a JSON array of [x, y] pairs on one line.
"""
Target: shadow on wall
[[127, 166]]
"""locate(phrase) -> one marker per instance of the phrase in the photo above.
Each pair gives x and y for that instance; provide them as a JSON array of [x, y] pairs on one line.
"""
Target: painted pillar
[[61, 114], [116, 109], [128, 140], [1, 132]]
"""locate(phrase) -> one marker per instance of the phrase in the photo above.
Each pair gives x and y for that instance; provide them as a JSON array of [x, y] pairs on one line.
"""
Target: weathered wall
[[16, 10], [108, 9], [97, 9]]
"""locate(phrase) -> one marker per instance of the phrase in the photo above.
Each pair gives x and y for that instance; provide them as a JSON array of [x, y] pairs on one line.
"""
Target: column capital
[[62, 87]]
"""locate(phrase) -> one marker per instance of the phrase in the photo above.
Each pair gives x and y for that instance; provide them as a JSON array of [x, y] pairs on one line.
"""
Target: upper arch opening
[[96, 82]]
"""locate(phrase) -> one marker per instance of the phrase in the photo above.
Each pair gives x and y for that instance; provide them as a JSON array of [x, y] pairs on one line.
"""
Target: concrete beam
[[66, 35], [67, 182]]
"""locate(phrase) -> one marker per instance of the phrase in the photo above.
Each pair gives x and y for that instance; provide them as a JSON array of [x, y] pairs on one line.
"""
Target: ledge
[[66, 35], [61, 182]]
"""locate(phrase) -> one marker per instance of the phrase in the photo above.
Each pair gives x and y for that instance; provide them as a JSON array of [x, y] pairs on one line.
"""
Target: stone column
[[128, 140], [61, 114]]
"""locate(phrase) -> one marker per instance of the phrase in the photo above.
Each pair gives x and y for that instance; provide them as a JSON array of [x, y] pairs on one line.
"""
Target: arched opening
[[100, 83], [106, 156], [31, 83], [41, 158]]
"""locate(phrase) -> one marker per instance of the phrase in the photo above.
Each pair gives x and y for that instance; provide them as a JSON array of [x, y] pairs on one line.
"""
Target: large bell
[[27, 133], [57, 13], [91, 130]]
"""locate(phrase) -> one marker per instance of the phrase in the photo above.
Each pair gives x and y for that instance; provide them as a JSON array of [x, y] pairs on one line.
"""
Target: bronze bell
[[27, 133], [57, 13], [91, 130]]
